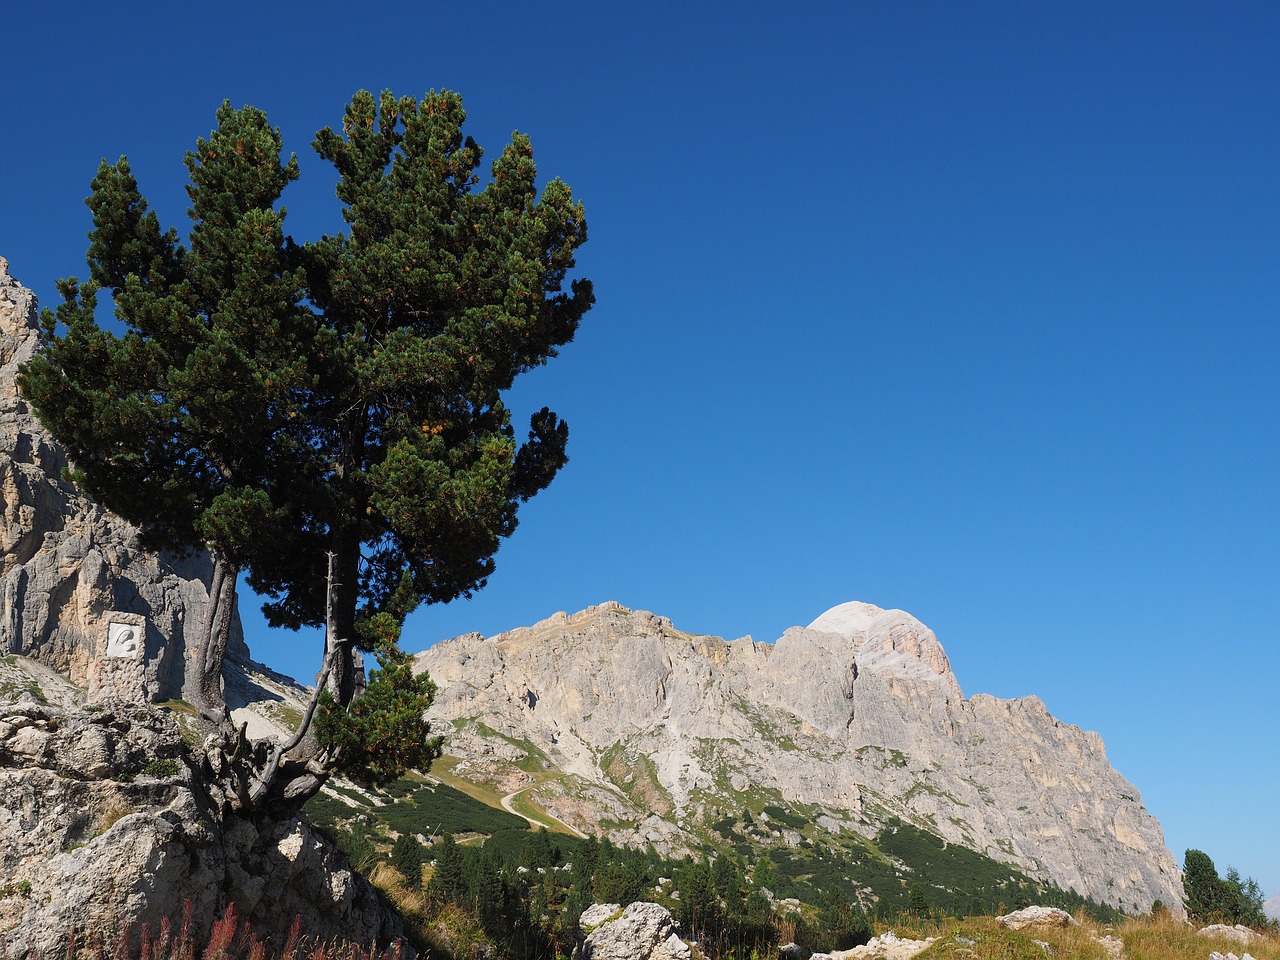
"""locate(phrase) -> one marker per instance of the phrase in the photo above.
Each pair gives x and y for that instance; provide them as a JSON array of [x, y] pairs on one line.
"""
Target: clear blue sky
[[968, 309]]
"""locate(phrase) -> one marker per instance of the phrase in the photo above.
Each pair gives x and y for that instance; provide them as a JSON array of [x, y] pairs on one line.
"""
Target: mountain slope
[[615, 720]]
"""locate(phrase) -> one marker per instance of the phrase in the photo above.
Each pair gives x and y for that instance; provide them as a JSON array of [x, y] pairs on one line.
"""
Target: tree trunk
[[339, 627], [212, 641]]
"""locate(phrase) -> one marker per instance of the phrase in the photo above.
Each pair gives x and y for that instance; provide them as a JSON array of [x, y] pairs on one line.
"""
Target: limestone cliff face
[[854, 719], [65, 561]]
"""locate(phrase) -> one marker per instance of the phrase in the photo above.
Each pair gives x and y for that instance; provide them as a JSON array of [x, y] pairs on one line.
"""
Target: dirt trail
[[510, 808]]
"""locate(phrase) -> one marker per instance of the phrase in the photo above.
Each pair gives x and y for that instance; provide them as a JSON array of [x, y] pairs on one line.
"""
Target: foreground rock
[[887, 946], [643, 931], [103, 816], [850, 723], [1036, 918], [1239, 932]]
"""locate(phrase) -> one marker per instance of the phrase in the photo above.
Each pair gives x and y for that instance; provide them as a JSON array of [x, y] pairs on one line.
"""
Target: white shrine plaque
[[124, 640]]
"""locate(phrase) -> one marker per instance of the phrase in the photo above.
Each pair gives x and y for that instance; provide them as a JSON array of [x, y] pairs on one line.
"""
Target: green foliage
[[528, 888], [181, 425], [415, 807], [447, 880], [326, 416], [786, 817], [917, 903], [378, 736], [1214, 899], [161, 769], [406, 857], [842, 924]]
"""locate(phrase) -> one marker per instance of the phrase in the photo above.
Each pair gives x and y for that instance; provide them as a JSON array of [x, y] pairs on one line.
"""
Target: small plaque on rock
[[124, 640]]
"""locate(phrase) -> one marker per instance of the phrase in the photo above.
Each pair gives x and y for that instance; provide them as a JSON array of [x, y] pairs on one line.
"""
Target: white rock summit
[[853, 721]]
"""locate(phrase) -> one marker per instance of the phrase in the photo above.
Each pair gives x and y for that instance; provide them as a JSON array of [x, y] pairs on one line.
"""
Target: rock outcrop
[[65, 562], [104, 819], [887, 946], [1238, 932], [643, 931], [1036, 918], [850, 721]]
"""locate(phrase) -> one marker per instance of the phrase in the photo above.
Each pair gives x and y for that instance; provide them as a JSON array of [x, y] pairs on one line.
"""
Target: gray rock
[[887, 946], [1239, 932], [857, 715], [1036, 918], [103, 816], [65, 562], [643, 931]]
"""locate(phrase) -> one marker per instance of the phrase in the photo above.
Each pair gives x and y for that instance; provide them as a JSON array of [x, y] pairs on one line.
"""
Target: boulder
[[1239, 932], [643, 931], [1036, 918], [887, 946]]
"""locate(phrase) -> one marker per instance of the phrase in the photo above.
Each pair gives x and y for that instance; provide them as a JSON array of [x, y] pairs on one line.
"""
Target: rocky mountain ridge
[[614, 719]]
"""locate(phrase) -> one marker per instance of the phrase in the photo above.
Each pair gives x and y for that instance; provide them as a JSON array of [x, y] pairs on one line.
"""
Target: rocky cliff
[[106, 816], [105, 824], [851, 722], [65, 562]]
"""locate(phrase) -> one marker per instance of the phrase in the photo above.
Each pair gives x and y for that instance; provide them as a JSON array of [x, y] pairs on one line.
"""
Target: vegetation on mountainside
[[524, 891], [456, 935]]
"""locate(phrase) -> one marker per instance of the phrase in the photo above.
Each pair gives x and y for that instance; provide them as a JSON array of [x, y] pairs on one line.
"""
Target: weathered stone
[[643, 931], [1113, 945], [887, 946], [1036, 918], [66, 563], [1239, 932], [103, 818], [861, 700]]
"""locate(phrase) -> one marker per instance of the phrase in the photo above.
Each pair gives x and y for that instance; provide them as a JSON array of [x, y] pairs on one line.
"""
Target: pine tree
[[1202, 886], [448, 882], [326, 417], [406, 857], [187, 425]]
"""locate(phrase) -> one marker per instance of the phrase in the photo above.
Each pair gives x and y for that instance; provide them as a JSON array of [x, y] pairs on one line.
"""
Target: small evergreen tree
[[406, 857], [764, 875], [1213, 899], [842, 922], [916, 901], [1202, 887], [448, 882]]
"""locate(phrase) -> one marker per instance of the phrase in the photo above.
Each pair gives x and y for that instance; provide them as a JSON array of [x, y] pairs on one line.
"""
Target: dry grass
[[981, 938], [111, 816], [1166, 939]]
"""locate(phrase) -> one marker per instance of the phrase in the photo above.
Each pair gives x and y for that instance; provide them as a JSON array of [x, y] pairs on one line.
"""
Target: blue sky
[[968, 309]]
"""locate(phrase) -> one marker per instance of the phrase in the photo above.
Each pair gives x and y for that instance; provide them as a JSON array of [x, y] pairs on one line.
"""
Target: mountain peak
[[614, 721], [888, 642]]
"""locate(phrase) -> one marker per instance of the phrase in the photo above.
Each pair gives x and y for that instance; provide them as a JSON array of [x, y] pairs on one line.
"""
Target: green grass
[[534, 760], [411, 806]]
